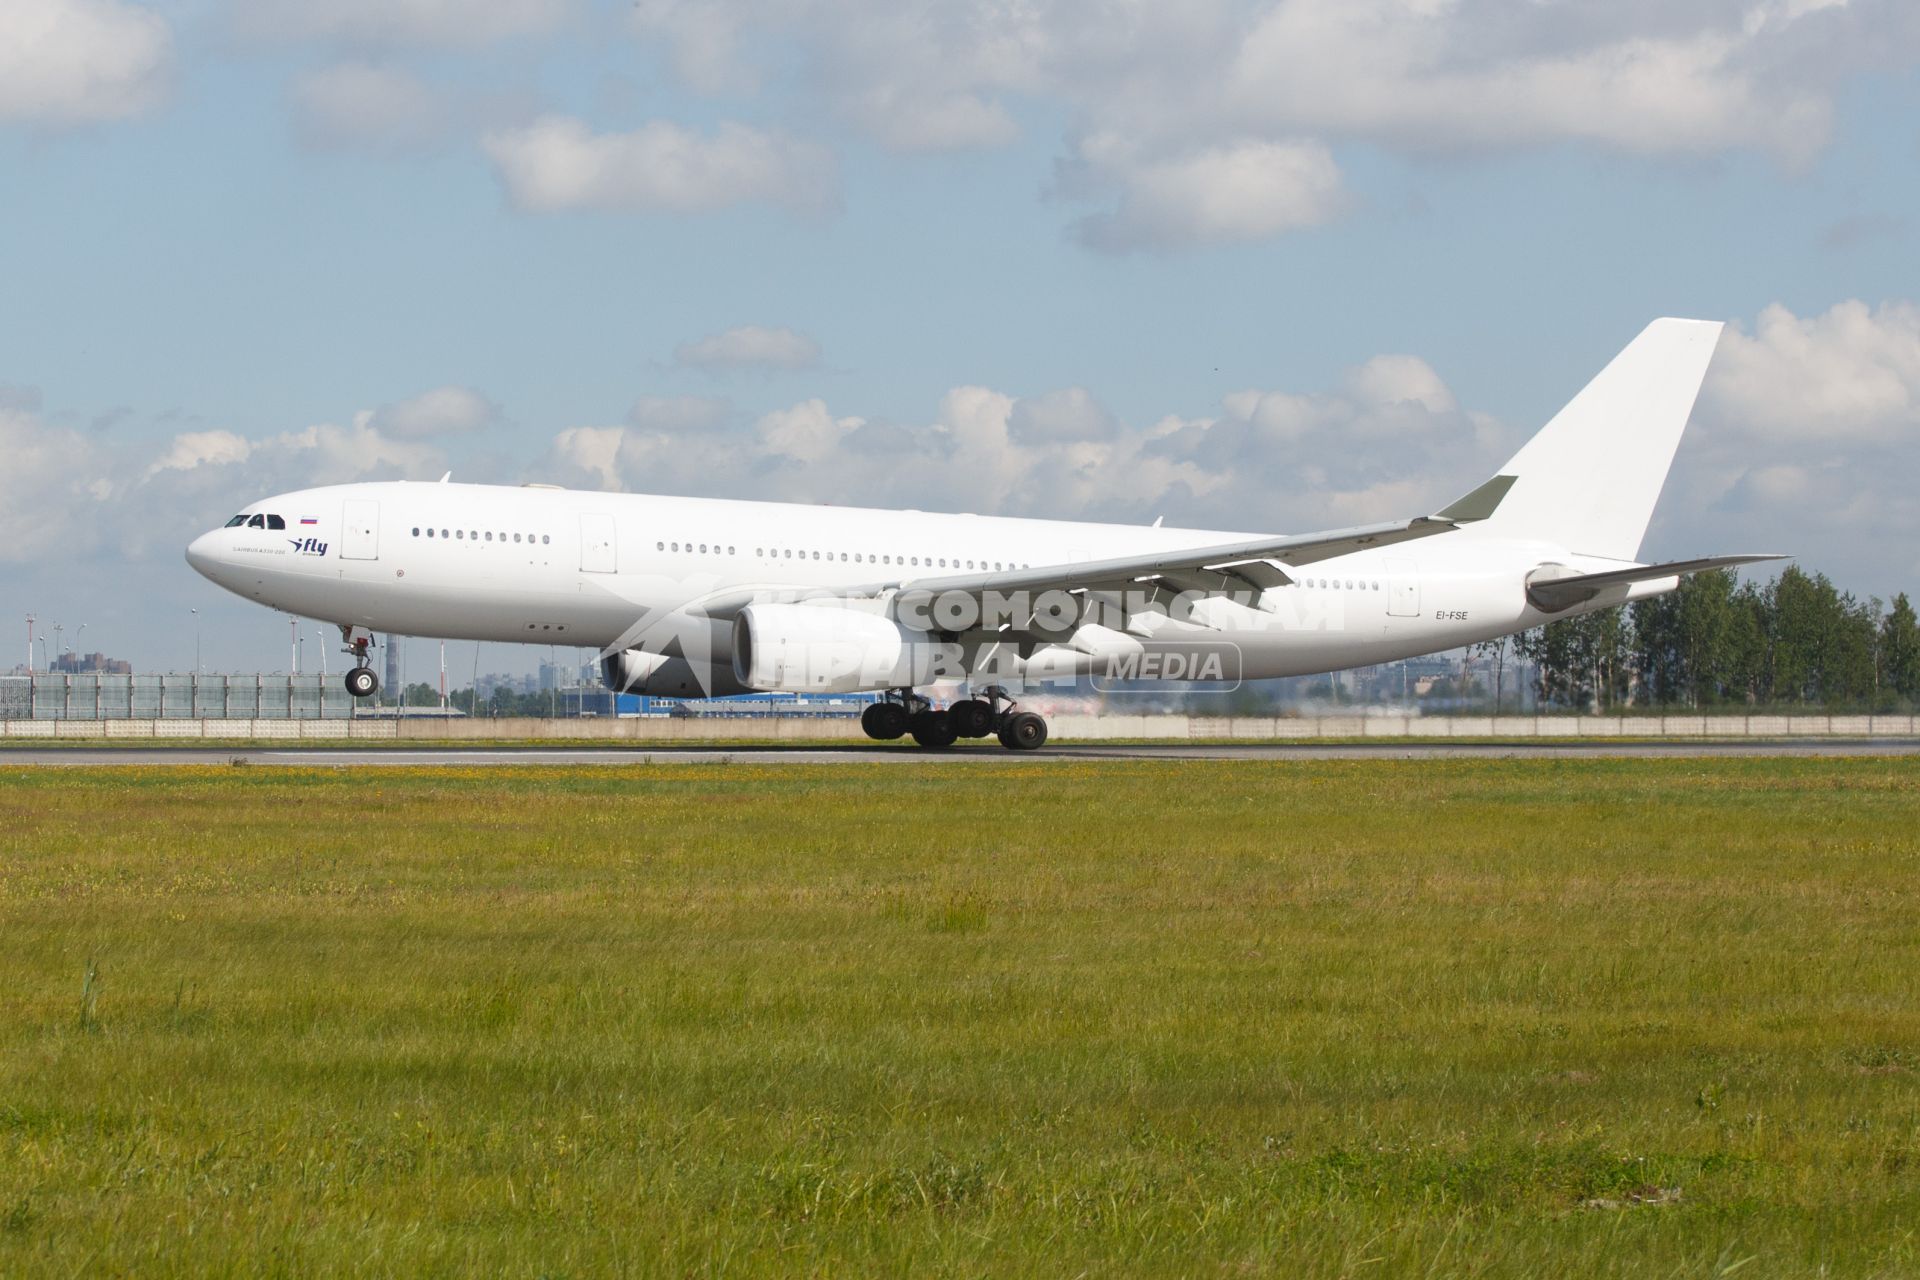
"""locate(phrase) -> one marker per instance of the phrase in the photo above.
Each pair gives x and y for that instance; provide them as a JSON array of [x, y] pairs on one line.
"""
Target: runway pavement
[[358, 757]]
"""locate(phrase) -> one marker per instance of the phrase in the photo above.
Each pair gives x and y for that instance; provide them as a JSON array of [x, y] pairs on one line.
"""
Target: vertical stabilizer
[[1589, 479]]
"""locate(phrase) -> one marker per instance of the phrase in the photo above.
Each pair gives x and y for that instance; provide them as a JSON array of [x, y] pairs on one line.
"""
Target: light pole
[[76, 636], [43, 654], [59, 647], [322, 642], [196, 642], [29, 644]]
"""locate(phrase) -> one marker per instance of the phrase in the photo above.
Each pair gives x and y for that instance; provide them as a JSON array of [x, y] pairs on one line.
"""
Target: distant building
[[92, 664]]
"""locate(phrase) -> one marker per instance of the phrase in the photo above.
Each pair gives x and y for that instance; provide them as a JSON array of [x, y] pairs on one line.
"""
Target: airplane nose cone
[[201, 555]]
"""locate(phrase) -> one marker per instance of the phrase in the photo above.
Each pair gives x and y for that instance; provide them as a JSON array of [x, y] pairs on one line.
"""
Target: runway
[[361, 757]]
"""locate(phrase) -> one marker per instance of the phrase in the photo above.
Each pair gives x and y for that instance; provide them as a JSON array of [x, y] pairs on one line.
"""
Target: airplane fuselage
[[552, 566]]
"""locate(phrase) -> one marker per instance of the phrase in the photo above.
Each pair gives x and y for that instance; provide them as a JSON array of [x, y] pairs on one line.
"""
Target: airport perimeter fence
[[639, 730], [92, 696]]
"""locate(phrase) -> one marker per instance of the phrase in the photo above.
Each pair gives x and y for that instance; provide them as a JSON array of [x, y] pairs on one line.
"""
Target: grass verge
[[1497, 1018]]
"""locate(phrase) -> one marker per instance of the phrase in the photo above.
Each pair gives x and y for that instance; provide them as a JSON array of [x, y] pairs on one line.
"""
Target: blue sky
[[1266, 266]]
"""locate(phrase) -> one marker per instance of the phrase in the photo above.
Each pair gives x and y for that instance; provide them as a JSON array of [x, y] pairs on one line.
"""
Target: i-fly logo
[[308, 546]]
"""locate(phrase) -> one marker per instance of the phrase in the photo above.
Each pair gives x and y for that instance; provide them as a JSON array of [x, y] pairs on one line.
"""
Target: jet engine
[[673, 676], [828, 648]]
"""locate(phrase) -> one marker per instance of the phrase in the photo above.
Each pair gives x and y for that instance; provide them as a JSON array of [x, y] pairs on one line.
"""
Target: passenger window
[[545, 538], [729, 550], [429, 533], [416, 531], [703, 548]]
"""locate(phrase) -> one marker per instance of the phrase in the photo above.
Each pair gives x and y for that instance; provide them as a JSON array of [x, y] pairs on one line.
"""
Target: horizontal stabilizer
[[1478, 505], [1555, 594]]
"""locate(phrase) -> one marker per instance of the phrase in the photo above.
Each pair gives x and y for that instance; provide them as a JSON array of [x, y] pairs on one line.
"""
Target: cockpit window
[[275, 522], [258, 522], [237, 520]]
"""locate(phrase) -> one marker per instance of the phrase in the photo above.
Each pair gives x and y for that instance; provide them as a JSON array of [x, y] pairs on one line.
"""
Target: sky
[[1270, 266]]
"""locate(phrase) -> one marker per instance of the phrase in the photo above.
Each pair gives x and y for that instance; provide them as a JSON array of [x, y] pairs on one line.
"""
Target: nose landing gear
[[361, 681]]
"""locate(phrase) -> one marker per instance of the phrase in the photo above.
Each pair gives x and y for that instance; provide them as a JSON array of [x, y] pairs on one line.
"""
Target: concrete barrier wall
[[1164, 727]]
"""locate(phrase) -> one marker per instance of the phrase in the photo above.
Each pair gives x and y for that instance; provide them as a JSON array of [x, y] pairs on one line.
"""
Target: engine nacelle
[[633, 671], [800, 648]]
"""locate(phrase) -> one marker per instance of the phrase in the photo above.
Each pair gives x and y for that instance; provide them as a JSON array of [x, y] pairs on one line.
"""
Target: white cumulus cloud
[[201, 449], [1239, 191], [557, 163], [441, 412], [1220, 120], [66, 62], [1851, 372], [1068, 414]]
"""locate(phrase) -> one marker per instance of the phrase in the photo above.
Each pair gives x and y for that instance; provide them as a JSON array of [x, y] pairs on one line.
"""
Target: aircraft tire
[[972, 718], [933, 729], [362, 683], [884, 721], [1024, 731]]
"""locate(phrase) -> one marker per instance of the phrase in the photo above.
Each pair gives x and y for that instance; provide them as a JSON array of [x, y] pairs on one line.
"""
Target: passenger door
[[1403, 588], [598, 553], [360, 530]]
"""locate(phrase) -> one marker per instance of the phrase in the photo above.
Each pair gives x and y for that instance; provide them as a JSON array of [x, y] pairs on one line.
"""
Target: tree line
[[1716, 642]]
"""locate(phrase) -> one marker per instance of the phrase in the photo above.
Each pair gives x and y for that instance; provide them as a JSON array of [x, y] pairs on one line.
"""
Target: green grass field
[[1636, 1018]]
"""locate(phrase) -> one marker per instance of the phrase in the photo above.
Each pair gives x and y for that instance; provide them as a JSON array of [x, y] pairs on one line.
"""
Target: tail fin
[[1589, 479]]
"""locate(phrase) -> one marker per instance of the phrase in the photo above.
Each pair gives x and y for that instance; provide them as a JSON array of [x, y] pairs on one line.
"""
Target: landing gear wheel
[[932, 729], [362, 683], [884, 721], [972, 718], [1024, 731]]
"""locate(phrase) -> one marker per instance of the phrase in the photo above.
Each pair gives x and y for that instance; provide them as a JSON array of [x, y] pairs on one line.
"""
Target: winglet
[[1479, 504]]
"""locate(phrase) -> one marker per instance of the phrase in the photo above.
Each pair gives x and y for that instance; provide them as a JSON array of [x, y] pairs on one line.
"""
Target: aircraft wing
[[1551, 595], [1233, 566], [1253, 565]]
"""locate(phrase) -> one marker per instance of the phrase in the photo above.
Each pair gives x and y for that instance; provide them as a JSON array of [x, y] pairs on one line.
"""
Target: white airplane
[[704, 597]]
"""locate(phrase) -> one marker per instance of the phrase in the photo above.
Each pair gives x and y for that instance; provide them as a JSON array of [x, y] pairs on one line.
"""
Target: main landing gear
[[361, 682], [904, 712]]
